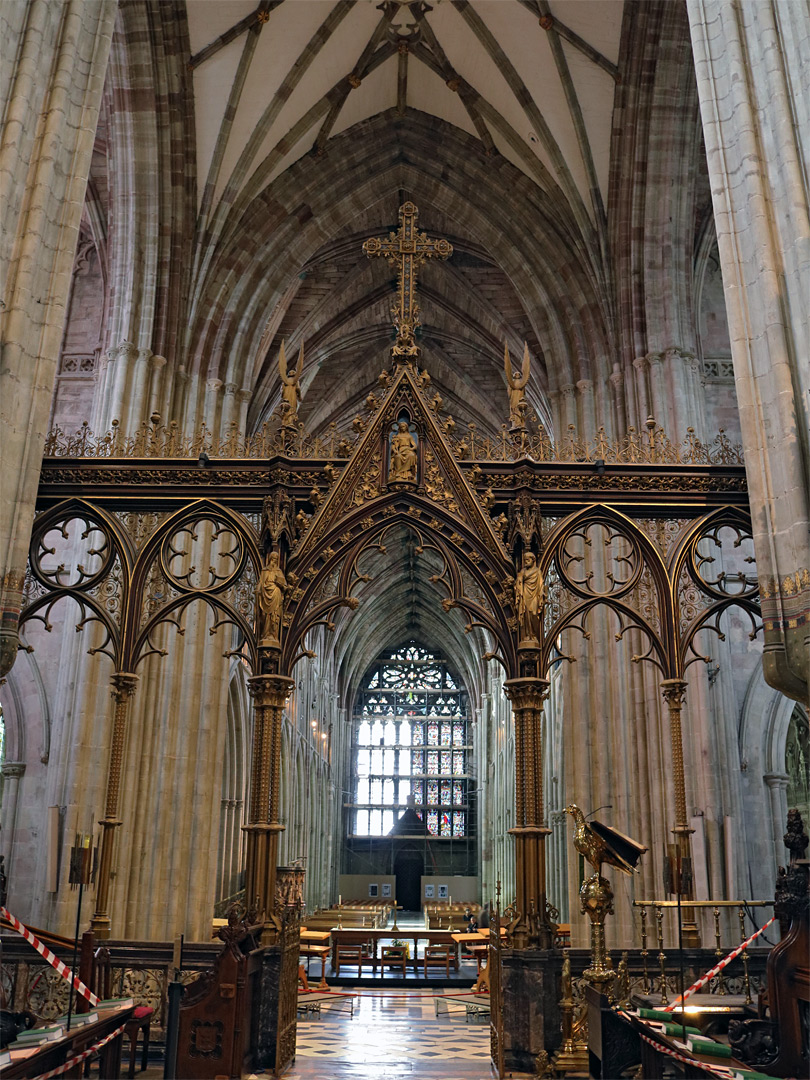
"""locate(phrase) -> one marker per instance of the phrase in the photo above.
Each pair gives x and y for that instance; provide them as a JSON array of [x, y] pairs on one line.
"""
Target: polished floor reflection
[[388, 1036]]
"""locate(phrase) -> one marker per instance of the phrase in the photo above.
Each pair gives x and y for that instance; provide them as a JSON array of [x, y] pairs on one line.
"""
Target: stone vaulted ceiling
[[471, 109]]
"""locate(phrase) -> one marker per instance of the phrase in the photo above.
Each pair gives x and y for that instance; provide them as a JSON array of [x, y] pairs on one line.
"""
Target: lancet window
[[411, 744]]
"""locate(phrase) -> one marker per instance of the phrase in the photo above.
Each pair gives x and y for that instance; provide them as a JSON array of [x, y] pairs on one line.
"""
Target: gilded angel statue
[[291, 388], [516, 381]]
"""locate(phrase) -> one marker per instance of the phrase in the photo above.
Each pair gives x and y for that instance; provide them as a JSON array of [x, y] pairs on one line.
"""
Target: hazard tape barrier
[[85, 1054], [52, 959], [718, 967]]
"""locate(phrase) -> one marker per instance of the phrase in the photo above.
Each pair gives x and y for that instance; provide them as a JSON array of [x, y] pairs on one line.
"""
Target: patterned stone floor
[[393, 1036], [388, 1035]]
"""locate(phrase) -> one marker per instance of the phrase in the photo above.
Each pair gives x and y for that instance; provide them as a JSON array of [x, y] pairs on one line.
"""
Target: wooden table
[[314, 943], [374, 937], [53, 1054]]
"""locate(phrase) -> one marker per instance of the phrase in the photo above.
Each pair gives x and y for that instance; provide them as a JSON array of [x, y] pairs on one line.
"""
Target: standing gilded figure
[[290, 388], [530, 597], [270, 590], [516, 381]]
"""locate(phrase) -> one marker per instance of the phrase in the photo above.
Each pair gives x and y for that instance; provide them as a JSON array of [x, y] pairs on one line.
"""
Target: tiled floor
[[390, 1036], [393, 1036]]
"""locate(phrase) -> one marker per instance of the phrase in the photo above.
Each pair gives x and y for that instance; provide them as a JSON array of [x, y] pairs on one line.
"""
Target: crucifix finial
[[407, 249]]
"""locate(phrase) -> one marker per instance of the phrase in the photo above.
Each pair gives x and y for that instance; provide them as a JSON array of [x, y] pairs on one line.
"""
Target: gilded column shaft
[[124, 684], [674, 691], [270, 694], [530, 832]]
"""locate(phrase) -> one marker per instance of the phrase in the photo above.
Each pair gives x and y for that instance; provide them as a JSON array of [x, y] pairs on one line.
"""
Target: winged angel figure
[[516, 381]]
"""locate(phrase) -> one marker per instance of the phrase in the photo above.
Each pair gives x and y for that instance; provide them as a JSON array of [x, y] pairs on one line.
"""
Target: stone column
[[124, 684], [752, 63], [777, 790], [674, 691], [13, 772], [270, 694], [157, 364], [49, 99], [530, 831]]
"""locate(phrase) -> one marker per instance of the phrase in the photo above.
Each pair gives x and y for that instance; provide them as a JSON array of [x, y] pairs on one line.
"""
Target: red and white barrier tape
[[52, 959], [81, 1057], [719, 966], [680, 1057]]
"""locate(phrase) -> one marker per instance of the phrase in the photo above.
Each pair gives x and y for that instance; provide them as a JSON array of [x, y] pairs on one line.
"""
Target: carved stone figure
[[403, 454], [290, 389], [516, 381], [270, 590], [530, 596]]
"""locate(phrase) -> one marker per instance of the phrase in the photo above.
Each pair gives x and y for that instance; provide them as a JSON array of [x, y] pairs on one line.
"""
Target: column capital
[[674, 691], [156, 361], [526, 693], [773, 780], [13, 770], [272, 690], [124, 684]]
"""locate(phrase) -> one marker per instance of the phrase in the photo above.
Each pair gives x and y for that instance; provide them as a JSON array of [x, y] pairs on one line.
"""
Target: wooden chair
[[436, 955], [395, 956], [353, 954]]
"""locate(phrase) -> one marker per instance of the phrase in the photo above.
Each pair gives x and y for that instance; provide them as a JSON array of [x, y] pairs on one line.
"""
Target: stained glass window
[[409, 698]]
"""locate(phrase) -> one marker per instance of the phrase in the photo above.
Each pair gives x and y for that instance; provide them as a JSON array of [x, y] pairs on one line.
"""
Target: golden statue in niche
[[516, 381], [403, 455], [270, 589], [290, 385], [530, 598]]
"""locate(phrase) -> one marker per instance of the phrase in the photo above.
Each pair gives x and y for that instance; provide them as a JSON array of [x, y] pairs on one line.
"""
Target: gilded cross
[[407, 249]]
